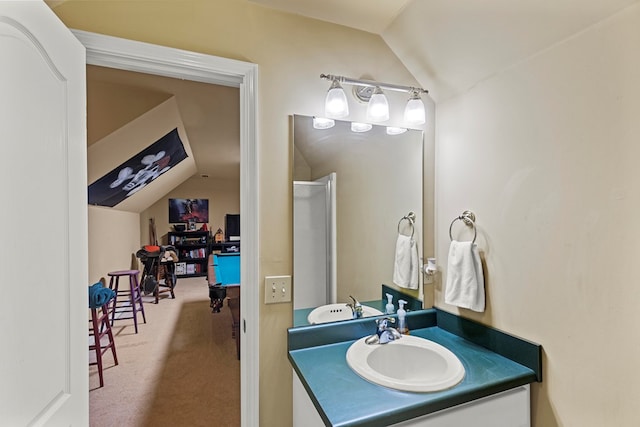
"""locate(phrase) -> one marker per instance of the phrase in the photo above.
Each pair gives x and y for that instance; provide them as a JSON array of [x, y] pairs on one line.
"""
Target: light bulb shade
[[392, 130], [378, 108], [335, 104], [323, 123], [414, 110], [360, 127]]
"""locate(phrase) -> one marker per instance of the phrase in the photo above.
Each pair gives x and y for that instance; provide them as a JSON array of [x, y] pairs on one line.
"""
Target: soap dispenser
[[402, 321], [389, 308]]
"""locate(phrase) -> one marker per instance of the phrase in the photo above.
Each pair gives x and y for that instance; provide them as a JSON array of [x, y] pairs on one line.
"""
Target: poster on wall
[[137, 172], [188, 210]]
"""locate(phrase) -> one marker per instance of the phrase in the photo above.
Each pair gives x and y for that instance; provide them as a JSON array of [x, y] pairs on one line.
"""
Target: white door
[[43, 212]]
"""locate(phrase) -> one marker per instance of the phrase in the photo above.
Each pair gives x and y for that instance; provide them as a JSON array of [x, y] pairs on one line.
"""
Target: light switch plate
[[277, 289]]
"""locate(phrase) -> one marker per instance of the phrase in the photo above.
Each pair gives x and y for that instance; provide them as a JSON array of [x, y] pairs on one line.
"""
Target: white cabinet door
[[304, 413], [44, 302], [510, 408]]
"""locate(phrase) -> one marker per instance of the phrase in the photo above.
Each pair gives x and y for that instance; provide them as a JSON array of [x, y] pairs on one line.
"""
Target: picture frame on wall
[[188, 211]]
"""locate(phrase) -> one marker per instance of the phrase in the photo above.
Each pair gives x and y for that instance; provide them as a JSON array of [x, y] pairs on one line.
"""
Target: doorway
[[151, 59]]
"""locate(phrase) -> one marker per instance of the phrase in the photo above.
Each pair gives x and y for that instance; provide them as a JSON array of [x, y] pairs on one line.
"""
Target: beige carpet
[[181, 369]]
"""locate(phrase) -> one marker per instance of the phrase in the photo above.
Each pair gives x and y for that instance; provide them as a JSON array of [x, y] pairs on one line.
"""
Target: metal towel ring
[[469, 218], [411, 217]]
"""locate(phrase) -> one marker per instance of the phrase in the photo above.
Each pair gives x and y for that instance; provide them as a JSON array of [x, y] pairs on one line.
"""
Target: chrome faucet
[[384, 332], [356, 308]]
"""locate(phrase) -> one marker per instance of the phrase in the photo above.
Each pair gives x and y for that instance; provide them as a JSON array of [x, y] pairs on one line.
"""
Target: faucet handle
[[386, 333], [383, 322], [356, 308], [356, 303]]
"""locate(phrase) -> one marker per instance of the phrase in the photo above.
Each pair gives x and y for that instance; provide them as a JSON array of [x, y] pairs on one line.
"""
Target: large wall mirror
[[351, 190]]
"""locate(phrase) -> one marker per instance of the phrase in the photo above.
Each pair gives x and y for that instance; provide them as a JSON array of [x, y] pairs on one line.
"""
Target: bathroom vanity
[[494, 392]]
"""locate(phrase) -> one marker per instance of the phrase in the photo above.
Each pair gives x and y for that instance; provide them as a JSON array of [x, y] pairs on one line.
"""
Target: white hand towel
[[405, 268], [465, 279]]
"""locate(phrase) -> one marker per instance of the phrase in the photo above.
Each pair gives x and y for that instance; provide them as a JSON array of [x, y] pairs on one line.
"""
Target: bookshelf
[[192, 248]]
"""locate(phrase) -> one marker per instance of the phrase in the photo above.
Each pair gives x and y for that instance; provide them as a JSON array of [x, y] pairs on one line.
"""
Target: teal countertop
[[318, 355]]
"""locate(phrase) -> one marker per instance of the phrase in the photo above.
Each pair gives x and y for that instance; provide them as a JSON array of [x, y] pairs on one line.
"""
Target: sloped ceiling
[[209, 113], [449, 46], [372, 16], [147, 182]]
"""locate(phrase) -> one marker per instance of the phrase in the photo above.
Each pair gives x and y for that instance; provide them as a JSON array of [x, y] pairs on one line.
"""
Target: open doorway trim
[[147, 58]]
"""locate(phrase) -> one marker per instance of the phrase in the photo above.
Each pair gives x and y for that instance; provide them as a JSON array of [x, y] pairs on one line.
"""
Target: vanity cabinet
[[494, 391], [510, 408]]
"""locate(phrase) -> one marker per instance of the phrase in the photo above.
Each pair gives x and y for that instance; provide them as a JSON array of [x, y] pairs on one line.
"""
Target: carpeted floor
[[181, 369]]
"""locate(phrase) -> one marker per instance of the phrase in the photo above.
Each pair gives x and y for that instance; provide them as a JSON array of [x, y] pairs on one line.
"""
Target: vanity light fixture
[[378, 107], [361, 127], [414, 110], [336, 105], [323, 123]]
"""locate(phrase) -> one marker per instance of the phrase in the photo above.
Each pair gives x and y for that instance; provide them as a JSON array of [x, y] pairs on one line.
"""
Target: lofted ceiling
[[210, 113], [451, 45], [372, 16]]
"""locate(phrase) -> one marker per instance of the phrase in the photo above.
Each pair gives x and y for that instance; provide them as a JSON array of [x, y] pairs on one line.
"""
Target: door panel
[[43, 309]]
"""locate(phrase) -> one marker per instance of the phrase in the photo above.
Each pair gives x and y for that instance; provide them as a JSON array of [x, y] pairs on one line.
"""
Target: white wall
[[546, 154], [113, 247]]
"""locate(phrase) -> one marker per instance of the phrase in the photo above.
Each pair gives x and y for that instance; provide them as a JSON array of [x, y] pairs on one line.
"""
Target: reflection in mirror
[[351, 190]]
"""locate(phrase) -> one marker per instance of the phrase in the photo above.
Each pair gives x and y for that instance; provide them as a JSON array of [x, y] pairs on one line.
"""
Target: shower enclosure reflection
[[350, 191], [314, 243]]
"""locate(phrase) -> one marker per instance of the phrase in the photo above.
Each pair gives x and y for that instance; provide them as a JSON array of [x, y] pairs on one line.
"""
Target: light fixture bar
[[371, 83]]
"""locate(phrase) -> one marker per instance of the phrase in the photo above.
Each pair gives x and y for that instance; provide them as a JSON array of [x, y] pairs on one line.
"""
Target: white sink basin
[[410, 364], [335, 312]]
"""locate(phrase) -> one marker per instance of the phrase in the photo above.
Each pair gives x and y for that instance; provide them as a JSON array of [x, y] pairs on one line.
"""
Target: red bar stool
[[126, 300], [100, 327]]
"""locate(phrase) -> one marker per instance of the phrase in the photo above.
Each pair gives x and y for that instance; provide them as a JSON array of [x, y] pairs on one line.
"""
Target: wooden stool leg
[[96, 343], [138, 295], [113, 285], [107, 325], [134, 301], [101, 326]]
